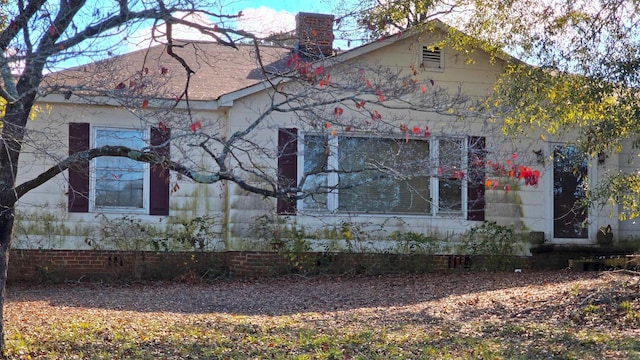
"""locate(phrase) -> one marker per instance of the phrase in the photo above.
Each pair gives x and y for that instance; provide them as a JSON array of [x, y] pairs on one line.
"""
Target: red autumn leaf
[[162, 126], [318, 71], [458, 174], [507, 188], [52, 30], [423, 89], [327, 125], [514, 156], [368, 83], [338, 111], [487, 183], [145, 103], [416, 130], [347, 128], [321, 83], [196, 125], [132, 83], [375, 115], [494, 184], [121, 86], [380, 95], [403, 128]]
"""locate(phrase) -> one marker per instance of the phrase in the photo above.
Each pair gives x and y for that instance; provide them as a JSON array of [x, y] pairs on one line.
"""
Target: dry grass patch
[[541, 315]]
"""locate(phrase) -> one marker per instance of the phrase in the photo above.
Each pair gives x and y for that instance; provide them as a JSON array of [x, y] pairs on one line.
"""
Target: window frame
[[434, 179], [146, 182]]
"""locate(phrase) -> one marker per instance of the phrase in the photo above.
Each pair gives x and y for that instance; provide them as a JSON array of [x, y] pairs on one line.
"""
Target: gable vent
[[432, 58]]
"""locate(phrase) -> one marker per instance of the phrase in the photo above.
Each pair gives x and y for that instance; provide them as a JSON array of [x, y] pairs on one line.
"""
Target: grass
[[239, 339], [42, 328]]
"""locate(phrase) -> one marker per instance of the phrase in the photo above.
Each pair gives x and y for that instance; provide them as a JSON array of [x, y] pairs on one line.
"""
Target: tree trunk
[[6, 233], [12, 134]]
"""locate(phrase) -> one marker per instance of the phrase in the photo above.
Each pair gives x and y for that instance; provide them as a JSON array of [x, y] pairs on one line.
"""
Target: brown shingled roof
[[154, 73]]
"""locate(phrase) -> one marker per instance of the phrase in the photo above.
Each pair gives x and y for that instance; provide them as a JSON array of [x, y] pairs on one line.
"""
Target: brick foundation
[[94, 265]]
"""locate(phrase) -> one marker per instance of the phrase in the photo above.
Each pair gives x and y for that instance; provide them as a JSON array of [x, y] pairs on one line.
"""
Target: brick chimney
[[314, 34]]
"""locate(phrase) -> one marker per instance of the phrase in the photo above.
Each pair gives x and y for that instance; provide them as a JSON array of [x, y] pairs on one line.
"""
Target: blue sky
[[260, 17], [283, 5]]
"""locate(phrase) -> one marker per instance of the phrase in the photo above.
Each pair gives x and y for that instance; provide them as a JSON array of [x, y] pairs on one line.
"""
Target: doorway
[[570, 170]]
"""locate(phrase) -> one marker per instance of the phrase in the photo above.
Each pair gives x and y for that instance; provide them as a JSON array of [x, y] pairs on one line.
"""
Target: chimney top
[[314, 34]]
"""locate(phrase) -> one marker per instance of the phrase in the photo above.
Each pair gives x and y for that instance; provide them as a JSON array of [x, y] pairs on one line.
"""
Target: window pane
[[316, 155], [119, 189], [451, 175], [450, 156], [450, 195], [383, 175], [119, 182], [130, 138]]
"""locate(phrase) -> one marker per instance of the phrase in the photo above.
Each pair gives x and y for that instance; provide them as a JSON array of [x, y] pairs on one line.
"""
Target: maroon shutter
[[78, 193], [287, 167], [475, 186], [159, 176]]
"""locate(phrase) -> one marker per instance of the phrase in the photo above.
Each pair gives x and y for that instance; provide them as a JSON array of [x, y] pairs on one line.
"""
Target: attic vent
[[432, 58]]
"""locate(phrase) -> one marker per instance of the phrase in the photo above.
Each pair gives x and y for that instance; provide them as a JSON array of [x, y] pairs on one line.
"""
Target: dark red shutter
[[78, 194], [475, 186], [287, 167], [159, 176]]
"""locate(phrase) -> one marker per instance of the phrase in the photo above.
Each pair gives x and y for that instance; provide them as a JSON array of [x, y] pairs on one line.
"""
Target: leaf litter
[[499, 315]]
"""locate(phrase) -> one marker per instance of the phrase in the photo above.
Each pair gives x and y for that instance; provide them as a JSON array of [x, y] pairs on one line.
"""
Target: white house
[[137, 99]]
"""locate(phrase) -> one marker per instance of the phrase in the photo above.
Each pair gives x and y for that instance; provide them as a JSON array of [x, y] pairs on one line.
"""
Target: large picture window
[[119, 183], [360, 174]]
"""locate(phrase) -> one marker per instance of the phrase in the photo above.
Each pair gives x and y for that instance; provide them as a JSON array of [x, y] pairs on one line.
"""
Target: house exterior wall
[[247, 212], [43, 220], [236, 220]]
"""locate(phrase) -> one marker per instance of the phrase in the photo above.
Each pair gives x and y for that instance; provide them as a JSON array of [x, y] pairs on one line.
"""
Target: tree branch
[[142, 156]]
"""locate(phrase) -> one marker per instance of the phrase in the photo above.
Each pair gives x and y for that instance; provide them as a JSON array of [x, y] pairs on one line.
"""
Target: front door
[[569, 185]]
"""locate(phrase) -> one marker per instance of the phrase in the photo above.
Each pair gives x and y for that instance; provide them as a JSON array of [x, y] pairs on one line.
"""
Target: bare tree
[[330, 102]]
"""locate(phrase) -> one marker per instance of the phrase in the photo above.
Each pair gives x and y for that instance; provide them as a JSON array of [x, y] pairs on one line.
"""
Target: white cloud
[[264, 21], [261, 21], [142, 37]]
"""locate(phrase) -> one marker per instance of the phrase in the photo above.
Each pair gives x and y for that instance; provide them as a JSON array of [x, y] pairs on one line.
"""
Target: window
[[383, 175], [432, 58], [118, 184]]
